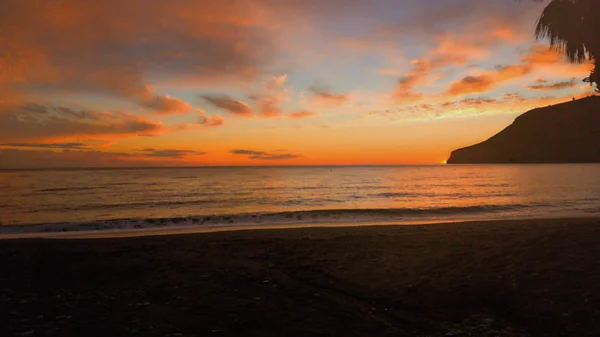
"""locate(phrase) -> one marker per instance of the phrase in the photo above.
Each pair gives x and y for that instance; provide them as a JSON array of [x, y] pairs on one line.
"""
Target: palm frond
[[562, 23]]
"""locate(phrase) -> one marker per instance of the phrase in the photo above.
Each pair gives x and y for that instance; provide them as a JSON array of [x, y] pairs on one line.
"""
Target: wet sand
[[506, 278]]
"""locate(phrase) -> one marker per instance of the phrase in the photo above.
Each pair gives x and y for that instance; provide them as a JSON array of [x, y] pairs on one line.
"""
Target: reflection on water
[[28, 197]]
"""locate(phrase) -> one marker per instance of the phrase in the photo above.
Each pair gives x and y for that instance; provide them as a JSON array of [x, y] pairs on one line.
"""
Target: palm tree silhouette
[[573, 28]]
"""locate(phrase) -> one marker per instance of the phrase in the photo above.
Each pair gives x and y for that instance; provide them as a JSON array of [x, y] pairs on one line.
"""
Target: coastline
[[501, 278], [131, 227]]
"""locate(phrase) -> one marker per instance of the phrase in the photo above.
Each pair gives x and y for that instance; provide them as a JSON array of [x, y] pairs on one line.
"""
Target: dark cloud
[[262, 155], [554, 86], [477, 101], [43, 122], [514, 97], [21, 159], [229, 104], [76, 155], [248, 152], [66, 146], [170, 153]]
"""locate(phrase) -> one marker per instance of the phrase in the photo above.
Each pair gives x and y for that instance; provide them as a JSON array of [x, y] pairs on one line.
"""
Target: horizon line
[[207, 166]]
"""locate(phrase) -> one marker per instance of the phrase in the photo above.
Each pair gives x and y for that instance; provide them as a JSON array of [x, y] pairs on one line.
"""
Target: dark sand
[[513, 278]]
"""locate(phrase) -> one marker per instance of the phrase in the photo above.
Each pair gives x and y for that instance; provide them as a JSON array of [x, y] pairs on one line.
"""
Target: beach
[[487, 278]]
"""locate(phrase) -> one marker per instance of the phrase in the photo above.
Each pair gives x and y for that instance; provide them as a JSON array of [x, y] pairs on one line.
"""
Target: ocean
[[127, 198]]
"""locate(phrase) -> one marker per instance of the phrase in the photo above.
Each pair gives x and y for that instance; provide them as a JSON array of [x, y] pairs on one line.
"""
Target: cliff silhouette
[[563, 133]]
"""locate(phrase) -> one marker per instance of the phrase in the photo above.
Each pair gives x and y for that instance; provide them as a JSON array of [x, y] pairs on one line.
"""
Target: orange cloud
[[538, 58], [451, 49], [272, 95], [539, 54], [301, 114], [269, 108], [551, 63], [487, 81], [421, 68], [471, 84], [210, 120], [164, 105]]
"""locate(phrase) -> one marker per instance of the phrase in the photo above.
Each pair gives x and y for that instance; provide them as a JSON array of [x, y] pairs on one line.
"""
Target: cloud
[[488, 80], [451, 49], [229, 104], [301, 114], [509, 103], [261, 155], [471, 84], [327, 98], [209, 121], [76, 154], [47, 122], [537, 58], [421, 68], [538, 54], [423, 21], [273, 93], [554, 86], [113, 47], [170, 153], [551, 63], [477, 101], [164, 105], [65, 145], [275, 82], [21, 159], [268, 105]]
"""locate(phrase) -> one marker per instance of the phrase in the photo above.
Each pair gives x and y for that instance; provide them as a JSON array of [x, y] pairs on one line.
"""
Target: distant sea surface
[[117, 198]]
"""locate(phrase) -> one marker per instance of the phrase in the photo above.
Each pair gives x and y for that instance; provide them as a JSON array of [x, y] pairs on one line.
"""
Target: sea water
[[145, 197]]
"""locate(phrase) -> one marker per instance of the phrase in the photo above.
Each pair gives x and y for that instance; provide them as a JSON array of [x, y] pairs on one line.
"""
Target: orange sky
[[267, 82]]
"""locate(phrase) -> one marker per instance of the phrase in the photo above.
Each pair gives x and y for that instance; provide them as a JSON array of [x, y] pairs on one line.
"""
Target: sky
[[86, 83]]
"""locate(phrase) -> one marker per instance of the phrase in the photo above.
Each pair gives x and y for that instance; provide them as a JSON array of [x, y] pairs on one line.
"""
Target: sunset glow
[[267, 82]]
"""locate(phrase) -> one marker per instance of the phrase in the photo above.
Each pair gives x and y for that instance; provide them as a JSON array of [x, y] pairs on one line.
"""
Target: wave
[[392, 195], [132, 205], [437, 195], [67, 189], [275, 218]]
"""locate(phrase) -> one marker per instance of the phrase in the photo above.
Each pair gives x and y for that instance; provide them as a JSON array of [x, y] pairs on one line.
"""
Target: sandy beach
[[504, 278]]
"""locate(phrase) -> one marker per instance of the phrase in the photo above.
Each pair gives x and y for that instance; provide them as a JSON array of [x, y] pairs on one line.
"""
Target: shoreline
[[506, 278], [190, 229]]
